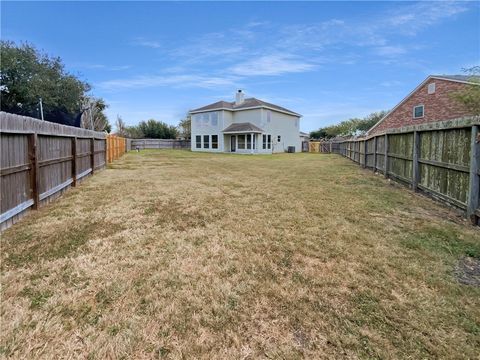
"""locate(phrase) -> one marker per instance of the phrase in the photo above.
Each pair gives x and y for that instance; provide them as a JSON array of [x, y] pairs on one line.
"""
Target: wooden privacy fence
[[158, 144], [323, 146], [440, 159], [40, 160], [116, 147]]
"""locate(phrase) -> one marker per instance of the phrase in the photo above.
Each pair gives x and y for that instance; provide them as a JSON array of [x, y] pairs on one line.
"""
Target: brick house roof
[[460, 78]]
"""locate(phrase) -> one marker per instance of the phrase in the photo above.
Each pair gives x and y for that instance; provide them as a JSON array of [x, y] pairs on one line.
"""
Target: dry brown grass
[[171, 254]]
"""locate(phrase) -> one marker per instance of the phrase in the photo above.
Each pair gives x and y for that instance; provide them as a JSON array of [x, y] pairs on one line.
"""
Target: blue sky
[[326, 60]]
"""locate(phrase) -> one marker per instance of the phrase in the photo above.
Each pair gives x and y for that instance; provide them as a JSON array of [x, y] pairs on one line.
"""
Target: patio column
[[251, 143]]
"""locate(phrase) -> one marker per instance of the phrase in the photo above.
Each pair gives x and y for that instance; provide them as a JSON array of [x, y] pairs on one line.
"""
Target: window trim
[[198, 144], [214, 118], [244, 142], [423, 111], [206, 144], [214, 142]]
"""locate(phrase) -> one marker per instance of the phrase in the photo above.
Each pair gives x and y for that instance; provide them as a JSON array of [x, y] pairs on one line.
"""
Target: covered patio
[[242, 138]]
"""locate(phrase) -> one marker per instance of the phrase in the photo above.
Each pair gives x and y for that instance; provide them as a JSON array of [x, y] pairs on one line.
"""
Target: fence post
[[106, 149], [74, 161], [92, 154], [374, 154], [415, 156], [472, 201], [365, 153], [34, 171], [385, 163]]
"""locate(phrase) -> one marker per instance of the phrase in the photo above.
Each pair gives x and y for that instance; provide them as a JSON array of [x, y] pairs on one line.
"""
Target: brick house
[[431, 101]]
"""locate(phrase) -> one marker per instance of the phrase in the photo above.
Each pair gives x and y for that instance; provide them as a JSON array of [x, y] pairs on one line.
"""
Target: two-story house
[[246, 125]]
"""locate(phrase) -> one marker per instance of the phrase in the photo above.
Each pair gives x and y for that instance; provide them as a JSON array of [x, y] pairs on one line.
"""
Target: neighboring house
[[304, 136], [247, 125], [431, 101]]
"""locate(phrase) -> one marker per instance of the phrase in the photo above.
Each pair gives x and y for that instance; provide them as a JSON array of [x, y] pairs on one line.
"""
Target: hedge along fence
[[40, 160], [441, 159], [116, 147], [158, 144]]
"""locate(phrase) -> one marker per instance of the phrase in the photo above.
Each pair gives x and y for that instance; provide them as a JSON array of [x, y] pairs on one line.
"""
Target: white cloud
[[177, 81], [274, 64], [389, 51], [104, 67], [412, 18], [140, 41]]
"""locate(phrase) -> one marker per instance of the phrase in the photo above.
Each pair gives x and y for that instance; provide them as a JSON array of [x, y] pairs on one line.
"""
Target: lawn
[[173, 254]]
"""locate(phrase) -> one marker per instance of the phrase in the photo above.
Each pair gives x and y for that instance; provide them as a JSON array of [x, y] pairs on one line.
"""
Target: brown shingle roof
[[247, 103], [242, 127]]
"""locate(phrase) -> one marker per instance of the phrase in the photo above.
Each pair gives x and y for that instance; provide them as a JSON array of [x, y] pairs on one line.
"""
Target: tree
[[350, 127], [470, 95], [121, 127], [27, 75], [185, 127], [93, 116], [133, 132], [152, 129], [318, 134]]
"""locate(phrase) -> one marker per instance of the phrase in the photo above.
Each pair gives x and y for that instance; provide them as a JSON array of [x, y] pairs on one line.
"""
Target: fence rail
[[440, 159], [40, 160], [142, 144]]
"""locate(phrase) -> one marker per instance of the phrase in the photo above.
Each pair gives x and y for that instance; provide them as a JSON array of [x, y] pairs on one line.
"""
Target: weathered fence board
[[440, 159], [39, 161]]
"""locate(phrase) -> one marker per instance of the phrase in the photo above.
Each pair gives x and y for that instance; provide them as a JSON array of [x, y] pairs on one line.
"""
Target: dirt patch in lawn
[[467, 271]]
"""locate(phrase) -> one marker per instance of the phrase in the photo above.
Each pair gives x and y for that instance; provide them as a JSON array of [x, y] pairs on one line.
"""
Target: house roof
[[245, 127], [456, 78], [304, 133], [248, 103]]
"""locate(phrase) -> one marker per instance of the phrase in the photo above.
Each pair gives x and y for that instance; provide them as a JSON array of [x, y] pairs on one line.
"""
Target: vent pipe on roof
[[239, 97]]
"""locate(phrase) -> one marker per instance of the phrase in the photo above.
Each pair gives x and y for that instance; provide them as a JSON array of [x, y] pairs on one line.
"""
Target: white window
[[198, 141], [418, 111], [269, 115], [206, 141], [431, 88], [206, 118], [296, 123], [241, 141], [264, 141], [269, 141], [198, 119], [214, 118], [214, 141]]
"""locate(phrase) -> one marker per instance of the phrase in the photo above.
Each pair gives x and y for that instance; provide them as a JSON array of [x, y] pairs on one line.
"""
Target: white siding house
[[245, 126]]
